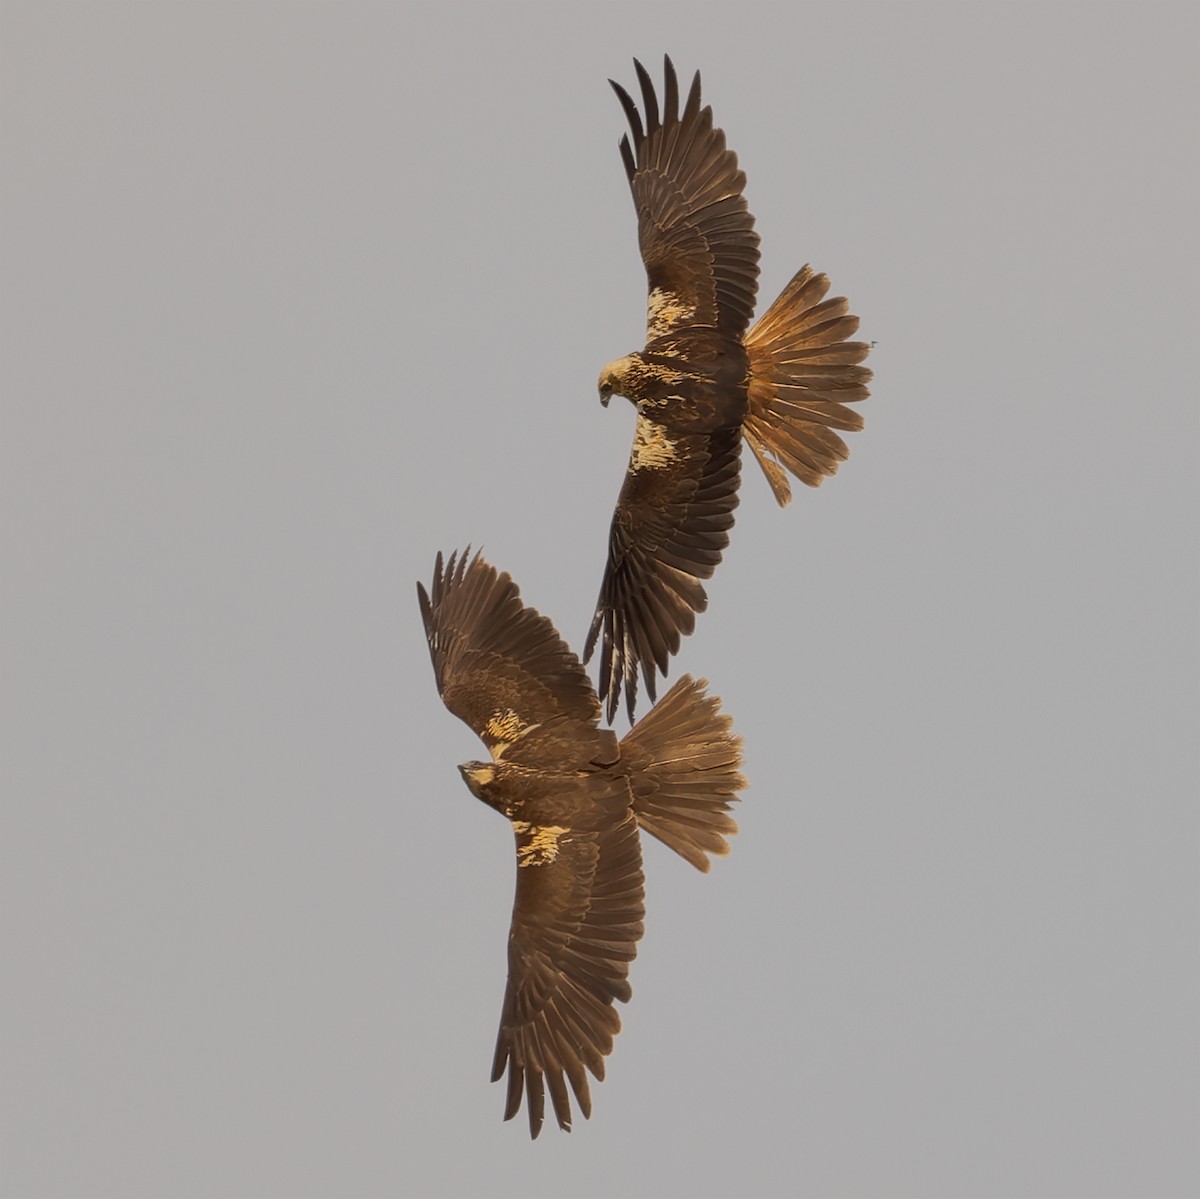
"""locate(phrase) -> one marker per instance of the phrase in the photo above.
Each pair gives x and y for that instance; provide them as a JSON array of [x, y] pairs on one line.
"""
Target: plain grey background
[[295, 296]]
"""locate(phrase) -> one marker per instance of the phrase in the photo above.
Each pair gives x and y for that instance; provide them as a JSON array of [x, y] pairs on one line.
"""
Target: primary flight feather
[[703, 383], [576, 798]]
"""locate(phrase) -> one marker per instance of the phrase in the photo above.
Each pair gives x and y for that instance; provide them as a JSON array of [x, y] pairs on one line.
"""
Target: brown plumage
[[702, 384], [576, 797]]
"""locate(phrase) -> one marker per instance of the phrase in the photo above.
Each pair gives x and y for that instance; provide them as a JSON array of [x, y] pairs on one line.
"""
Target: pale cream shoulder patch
[[542, 846], [652, 448], [502, 730], [666, 310]]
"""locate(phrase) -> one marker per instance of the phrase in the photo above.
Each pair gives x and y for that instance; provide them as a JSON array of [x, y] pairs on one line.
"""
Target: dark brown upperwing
[[500, 667], [669, 529], [576, 922], [695, 233]]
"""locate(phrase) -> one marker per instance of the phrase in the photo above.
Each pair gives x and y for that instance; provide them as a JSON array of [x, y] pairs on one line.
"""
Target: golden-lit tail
[[684, 763], [803, 373]]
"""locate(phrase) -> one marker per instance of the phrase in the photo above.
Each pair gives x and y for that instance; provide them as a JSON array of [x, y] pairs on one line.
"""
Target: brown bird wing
[[695, 233], [670, 526], [500, 667], [576, 922]]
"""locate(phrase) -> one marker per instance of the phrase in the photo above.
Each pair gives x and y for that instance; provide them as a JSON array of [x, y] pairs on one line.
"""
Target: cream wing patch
[[502, 729], [537, 844], [666, 310], [652, 448]]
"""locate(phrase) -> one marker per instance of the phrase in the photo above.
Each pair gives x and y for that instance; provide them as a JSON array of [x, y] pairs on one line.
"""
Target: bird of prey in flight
[[576, 798], [703, 383]]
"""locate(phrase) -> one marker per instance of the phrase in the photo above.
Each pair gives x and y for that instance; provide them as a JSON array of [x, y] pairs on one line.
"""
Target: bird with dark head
[[577, 800], [702, 384]]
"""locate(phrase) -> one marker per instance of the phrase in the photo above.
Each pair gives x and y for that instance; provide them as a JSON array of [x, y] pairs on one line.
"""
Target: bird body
[[699, 374], [572, 790], [576, 798], [703, 383]]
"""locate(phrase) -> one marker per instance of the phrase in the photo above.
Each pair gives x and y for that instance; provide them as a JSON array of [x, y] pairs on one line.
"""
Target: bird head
[[614, 377], [477, 776]]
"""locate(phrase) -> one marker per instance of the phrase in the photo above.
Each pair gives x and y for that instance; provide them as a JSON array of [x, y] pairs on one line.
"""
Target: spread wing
[[576, 922], [670, 526], [500, 667], [695, 233]]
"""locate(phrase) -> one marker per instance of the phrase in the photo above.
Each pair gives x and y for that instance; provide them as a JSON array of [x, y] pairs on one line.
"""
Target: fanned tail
[[803, 373], [685, 772]]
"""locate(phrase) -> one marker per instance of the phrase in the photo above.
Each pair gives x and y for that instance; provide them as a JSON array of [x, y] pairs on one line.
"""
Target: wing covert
[[500, 666], [695, 233], [668, 532], [577, 918]]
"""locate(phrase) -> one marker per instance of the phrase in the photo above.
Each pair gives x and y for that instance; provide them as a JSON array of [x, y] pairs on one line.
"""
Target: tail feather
[[803, 373], [685, 772]]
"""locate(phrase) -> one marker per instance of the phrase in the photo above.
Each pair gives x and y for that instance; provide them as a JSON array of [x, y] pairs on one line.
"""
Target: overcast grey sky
[[295, 296]]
